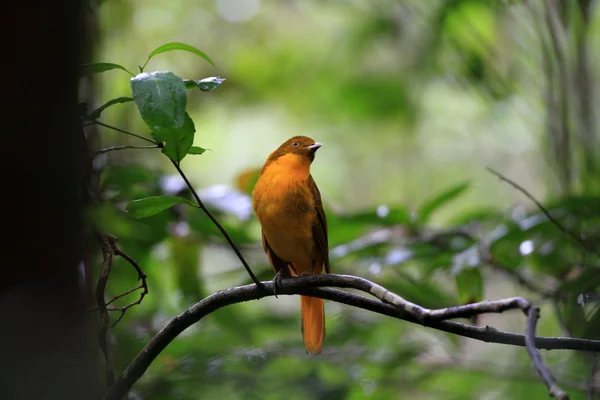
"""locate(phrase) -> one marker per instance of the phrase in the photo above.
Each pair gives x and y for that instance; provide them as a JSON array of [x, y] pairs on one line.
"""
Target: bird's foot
[[282, 274]]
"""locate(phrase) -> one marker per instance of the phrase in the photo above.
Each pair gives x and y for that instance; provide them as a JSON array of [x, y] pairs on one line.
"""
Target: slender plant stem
[[217, 224], [115, 148], [114, 128]]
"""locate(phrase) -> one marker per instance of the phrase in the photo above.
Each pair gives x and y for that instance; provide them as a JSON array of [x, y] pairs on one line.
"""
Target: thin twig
[[115, 148], [543, 209], [114, 128], [141, 277], [217, 224], [143, 286], [123, 295], [115, 299], [311, 285], [554, 390], [107, 255]]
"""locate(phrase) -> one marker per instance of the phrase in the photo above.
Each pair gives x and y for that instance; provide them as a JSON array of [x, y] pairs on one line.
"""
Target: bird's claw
[[279, 276]]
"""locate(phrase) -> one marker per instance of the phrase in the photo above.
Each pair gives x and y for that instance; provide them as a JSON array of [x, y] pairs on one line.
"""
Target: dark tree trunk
[[46, 352]]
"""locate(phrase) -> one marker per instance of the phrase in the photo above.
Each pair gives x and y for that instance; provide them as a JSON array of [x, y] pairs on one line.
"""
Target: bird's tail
[[313, 323]]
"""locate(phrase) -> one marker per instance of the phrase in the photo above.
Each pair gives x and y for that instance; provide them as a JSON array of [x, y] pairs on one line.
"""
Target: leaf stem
[[114, 148], [114, 128], [217, 224]]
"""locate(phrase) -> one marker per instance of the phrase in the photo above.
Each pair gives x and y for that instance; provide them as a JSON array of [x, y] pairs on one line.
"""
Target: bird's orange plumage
[[288, 205]]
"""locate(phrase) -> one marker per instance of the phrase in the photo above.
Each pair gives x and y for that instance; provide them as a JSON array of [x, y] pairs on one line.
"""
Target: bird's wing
[[320, 225], [276, 262]]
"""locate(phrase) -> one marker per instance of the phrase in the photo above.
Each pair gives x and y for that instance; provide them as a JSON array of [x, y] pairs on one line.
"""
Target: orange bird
[[288, 205]]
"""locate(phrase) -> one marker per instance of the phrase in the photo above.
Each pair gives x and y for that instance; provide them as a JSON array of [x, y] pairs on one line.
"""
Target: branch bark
[[553, 388], [312, 286]]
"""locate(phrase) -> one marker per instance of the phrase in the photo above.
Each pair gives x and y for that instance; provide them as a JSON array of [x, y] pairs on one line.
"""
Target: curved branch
[[536, 357], [310, 285]]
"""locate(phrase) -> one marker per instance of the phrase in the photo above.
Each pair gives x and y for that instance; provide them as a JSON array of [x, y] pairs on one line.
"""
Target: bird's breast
[[285, 208]]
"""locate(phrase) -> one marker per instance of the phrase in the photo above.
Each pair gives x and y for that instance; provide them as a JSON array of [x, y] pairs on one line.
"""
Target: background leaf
[[98, 111], [177, 46], [430, 206], [143, 208], [196, 150], [469, 285], [96, 68]]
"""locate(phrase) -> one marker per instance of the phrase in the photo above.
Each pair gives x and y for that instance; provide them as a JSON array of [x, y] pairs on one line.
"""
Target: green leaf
[[98, 111], [107, 218], [504, 241], [143, 208], [177, 46], [206, 84], [430, 206], [161, 98], [469, 285], [196, 150], [96, 68], [398, 215], [178, 140]]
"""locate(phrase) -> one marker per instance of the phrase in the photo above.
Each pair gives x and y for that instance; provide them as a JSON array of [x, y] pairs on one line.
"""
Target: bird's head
[[302, 146]]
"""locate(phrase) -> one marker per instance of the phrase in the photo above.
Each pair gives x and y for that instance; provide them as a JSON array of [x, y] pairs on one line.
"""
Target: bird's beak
[[314, 147]]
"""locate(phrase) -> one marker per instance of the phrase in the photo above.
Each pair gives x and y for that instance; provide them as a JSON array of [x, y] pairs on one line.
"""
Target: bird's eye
[[295, 144]]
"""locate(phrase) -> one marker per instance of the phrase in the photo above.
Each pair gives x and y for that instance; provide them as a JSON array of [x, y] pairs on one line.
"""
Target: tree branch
[[555, 391], [217, 224], [311, 285]]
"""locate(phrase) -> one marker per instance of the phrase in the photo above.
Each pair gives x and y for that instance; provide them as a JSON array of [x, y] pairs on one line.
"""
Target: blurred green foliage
[[413, 100]]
